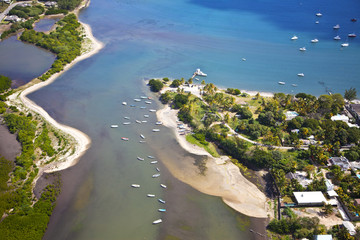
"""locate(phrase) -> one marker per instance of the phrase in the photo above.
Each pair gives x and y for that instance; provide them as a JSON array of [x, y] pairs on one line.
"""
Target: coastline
[[81, 141], [223, 178]]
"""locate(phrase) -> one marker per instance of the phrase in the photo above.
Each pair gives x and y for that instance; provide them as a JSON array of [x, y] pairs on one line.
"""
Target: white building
[[313, 198], [323, 237]]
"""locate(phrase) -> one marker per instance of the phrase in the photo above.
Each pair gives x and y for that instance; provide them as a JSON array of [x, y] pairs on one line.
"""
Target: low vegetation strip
[[209, 147]]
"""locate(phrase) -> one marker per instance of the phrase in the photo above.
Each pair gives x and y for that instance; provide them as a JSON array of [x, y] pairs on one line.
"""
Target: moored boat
[[126, 123], [351, 35], [142, 136], [146, 116], [315, 40], [124, 103], [137, 100], [147, 102], [318, 14], [200, 73], [158, 169], [140, 158], [151, 157], [157, 221], [114, 126], [156, 175], [159, 123], [337, 26], [281, 83], [156, 130], [125, 138], [301, 74], [302, 49], [150, 195], [135, 185], [143, 97], [294, 37], [345, 44], [162, 210], [163, 185], [137, 121], [153, 162], [162, 201], [294, 85], [337, 37], [152, 110]]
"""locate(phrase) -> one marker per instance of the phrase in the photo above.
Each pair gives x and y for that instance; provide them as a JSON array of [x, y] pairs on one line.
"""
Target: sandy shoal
[[82, 141], [222, 178]]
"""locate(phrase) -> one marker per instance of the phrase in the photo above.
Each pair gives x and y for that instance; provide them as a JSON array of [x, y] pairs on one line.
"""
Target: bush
[[5, 83], [155, 85]]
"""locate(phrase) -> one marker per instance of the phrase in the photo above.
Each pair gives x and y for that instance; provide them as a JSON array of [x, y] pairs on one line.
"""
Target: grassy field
[[210, 148]]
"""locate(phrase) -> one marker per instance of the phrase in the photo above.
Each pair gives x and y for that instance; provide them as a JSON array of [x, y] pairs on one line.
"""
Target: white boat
[[126, 123], [294, 37], [294, 85], [126, 118], [302, 49], [156, 130], [137, 100], [159, 123], [114, 126], [147, 102], [315, 40], [125, 138], [151, 157], [142, 141], [156, 175], [132, 105], [345, 44], [143, 97], [124, 103], [318, 14], [153, 162], [162, 210], [157, 221], [162, 201], [351, 35], [301, 74], [163, 185], [140, 158], [144, 121], [151, 195], [200, 73], [158, 169], [197, 79], [135, 185], [281, 83], [317, 22], [142, 136], [146, 116], [244, 59], [337, 37], [152, 110], [337, 26], [142, 107], [137, 121]]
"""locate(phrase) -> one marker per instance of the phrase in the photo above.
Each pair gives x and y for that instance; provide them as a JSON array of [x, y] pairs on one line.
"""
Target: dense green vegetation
[[52, 11], [68, 4], [155, 85], [26, 12], [5, 83], [65, 42]]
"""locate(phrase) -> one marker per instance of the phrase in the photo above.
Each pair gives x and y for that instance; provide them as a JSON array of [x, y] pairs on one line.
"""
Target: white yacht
[[318, 14], [345, 44], [294, 37], [200, 73], [151, 195], [159, 123], [157, 221], [337, 37], [301, 74], [315, 40], [114, 126], [156, 175], [135, 185], [337, 26], [124, 103], [281, 83], [302, 49]]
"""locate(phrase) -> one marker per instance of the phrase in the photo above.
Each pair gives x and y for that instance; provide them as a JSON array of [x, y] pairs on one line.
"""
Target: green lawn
[[210, 148]]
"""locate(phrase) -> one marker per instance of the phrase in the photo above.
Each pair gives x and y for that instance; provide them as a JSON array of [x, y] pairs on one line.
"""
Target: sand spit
[[81, 141], [222, 177]]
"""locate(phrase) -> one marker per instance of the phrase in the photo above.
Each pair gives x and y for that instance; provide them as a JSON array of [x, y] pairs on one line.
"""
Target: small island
[[305, 147]]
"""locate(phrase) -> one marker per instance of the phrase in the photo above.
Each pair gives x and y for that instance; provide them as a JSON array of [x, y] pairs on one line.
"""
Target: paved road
[[4, 13]]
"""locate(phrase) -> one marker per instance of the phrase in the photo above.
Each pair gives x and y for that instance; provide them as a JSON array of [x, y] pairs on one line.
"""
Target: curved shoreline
[[82, 141], [224, 178]]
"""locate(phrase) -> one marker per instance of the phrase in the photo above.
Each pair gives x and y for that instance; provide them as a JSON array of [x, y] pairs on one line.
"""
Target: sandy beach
[[222, 177], [82, 141]]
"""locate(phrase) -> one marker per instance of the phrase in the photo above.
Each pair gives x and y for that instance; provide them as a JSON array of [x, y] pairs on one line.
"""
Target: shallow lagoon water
[[146, 39]]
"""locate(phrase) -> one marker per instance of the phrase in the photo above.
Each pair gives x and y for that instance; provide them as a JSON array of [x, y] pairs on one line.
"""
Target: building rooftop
[[313, 197], [323, 237]]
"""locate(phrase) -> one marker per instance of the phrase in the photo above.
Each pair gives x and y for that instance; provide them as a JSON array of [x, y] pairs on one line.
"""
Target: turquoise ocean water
[[148, 38]]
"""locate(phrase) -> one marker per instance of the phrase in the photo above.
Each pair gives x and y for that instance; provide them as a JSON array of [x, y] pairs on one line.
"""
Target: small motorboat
[[162, 210], [337, 26], [143, 97], [315, 40], [159, 123], [244, 59], [140, 158], [318, 14], [163, 185], [126, 123], [157, 221], [142, 107], [353, 19], [337, 37], [294, 85], [152, 110], [200, 73], [144, 121], [153, 162], [125, 138], [162, 201], [156, 130], [147, 102], [156, 175], [151, 157], [146, 116], [114, 126], [281, 83], [294, 37], [126, 118], [302, 49], [132, 105], [137, 121], [141, 141], [317, 22], [151, 195], [124, 103], [301, 74], [351, 35], [158, 169], [137, 100], [135, 185], [142, 136], [197, 79], [345, 44]]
